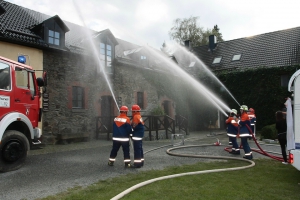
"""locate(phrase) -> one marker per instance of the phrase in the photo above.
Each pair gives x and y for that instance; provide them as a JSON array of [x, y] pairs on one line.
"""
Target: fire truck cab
[[20, 112]]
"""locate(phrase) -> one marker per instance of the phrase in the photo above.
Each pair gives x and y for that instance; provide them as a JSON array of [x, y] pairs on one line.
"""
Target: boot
[[128, 165], [110, 163]]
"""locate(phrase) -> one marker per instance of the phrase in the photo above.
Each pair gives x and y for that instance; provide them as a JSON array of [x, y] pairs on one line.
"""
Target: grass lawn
[[268, 179]]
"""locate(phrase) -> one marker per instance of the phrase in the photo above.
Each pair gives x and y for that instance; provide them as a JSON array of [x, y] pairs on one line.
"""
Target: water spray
[[178, 46], [95, 54]]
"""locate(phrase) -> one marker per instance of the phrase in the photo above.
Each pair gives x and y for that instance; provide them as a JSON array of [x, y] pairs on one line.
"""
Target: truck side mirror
[[40, 82]]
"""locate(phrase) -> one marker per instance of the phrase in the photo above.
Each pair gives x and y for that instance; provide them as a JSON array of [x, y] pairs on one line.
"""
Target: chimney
[[187, 44], [2, 10], [212, 42]]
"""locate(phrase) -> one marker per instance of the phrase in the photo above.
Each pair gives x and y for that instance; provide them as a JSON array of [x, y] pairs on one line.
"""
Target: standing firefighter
[[232, 131], [252, 117], [244, 132], [137, 136], [121, 131]]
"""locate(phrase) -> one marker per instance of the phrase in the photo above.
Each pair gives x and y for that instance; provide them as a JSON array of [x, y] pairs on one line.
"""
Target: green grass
[[268, 179]]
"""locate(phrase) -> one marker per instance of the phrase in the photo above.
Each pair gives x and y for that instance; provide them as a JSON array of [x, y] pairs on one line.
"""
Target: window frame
[[140, 99], [54, 38], [215, 61], [236, 59], [77, 98], [106, 56]]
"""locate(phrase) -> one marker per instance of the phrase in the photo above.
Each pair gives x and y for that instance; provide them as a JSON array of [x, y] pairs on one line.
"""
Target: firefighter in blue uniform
[[232, 131], [137, 136], [252, 117], [244, 133], [120, 137]]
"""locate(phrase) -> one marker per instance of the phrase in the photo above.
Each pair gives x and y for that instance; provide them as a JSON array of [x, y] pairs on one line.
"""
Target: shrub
[[158, 111], [269, 132]]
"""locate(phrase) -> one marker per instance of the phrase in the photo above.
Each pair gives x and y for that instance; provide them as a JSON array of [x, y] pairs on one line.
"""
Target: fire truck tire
[[13, 150]]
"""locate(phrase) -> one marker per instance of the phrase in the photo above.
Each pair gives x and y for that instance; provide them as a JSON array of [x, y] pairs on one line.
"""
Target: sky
[[148, 22]]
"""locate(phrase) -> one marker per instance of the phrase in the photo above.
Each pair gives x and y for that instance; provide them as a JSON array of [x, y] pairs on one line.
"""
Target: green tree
[[189, 29]]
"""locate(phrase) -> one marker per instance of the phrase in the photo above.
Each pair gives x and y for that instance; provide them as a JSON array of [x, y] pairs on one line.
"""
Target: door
[[167, 105], [26, 99], [107, 112]]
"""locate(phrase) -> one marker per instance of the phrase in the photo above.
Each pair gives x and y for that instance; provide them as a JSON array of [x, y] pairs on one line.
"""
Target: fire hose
[[252, 164]]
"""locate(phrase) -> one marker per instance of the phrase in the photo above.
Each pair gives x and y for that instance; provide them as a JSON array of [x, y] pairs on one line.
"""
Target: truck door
[[6, 105], [26, 100]]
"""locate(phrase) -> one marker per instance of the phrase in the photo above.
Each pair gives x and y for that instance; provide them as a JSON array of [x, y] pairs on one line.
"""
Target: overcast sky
[[149, 21]]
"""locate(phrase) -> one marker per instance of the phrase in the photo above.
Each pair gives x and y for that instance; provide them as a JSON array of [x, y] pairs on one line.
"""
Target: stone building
[[89, 73]]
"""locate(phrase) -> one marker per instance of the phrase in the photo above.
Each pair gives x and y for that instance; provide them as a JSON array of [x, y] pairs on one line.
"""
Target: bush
[[158, 111], [269, 132]]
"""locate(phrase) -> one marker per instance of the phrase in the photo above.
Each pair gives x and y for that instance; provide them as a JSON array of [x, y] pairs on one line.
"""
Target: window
[[25, 80], [4, 76], [284, 80], [217, 60], [143, 57], [236, 57], [21, 78], [140, 99], [53, 37], [77, 97], [106, 56]]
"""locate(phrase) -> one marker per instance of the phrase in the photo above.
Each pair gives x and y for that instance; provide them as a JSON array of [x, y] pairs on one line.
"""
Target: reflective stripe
[[137, 161], [245, 135], [248, 154], [231, 135], [137, 138], [237, 149], [142, 159], [121, 139], [119, 120], [112, 159], [127, 160], [252, 124]]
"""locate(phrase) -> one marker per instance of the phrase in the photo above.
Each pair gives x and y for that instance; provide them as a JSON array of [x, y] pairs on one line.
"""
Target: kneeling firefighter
[[244, 132], [137, 136], [120, 137], [232, 131]]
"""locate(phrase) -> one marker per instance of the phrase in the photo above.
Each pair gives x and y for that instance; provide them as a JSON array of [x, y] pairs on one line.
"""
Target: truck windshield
[[5, 80]]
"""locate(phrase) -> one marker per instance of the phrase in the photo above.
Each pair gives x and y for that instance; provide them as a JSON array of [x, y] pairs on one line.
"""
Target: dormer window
[[53, 37], [52, 31]]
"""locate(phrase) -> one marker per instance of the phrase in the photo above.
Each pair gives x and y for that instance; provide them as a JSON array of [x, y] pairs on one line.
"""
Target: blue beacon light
[[22, 59]]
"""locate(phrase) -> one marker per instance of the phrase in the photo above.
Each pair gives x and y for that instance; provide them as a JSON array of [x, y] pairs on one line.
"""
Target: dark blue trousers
[[116, 146]]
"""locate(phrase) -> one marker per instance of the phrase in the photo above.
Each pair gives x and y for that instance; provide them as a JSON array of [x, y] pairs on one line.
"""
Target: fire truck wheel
[[13, 150]]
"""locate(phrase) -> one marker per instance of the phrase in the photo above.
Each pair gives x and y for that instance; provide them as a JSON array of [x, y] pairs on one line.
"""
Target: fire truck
[[20, 112], [294, 86]]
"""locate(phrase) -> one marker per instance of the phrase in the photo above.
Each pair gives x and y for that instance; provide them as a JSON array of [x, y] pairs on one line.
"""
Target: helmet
[[251, 110], [234, 111], [135, 108], [124, 109], [244, 108]]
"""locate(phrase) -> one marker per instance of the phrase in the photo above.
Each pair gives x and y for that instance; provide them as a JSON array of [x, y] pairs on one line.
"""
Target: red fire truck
[[20, 112]]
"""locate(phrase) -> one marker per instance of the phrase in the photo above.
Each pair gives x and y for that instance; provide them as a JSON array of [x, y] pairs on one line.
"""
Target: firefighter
[[120, 137], [252, 117], [244, 134], [232, 131], [137, 136]]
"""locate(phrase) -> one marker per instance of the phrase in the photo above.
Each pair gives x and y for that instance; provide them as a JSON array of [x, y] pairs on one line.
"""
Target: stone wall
[[65, 70]]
